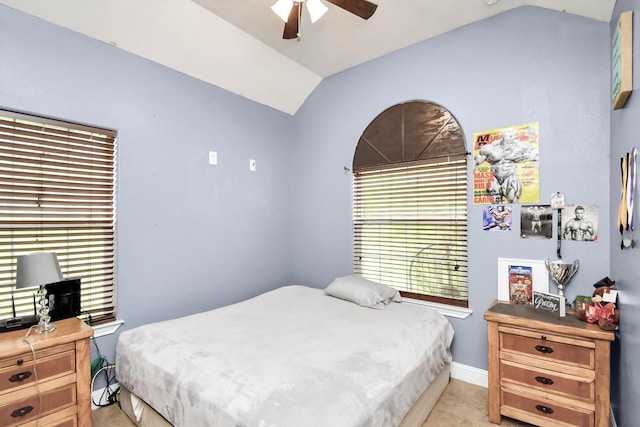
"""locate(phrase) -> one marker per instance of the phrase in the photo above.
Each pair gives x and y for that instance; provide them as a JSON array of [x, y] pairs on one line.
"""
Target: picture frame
[[622, 61], [540, 275]]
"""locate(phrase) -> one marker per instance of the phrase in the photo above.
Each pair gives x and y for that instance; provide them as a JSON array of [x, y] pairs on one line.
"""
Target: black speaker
[[64, 299]]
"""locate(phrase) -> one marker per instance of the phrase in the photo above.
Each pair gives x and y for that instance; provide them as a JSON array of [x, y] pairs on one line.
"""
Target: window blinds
[[57, 194], [410, 228]]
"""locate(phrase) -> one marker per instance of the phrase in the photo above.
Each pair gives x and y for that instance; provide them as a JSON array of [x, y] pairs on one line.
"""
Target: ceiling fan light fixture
[[316, 9], [282, 8]]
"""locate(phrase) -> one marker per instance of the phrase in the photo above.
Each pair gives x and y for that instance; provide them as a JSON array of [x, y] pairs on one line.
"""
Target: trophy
[[561, 272]]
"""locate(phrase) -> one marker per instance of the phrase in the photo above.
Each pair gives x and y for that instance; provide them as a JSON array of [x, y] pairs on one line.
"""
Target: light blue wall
[[190, 236], [625, 265], [526, 65]]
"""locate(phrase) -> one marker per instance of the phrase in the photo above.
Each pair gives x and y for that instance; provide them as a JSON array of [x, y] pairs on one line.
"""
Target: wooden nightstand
[[547, 370], [64, 377]]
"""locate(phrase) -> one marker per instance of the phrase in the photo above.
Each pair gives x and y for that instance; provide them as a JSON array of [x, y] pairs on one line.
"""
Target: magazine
[[520, 284]]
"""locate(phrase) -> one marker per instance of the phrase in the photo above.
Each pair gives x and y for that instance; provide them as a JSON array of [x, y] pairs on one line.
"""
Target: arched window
[[410, 203]]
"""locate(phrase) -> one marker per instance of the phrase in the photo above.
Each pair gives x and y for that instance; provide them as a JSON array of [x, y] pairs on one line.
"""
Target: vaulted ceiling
[[238, 45]]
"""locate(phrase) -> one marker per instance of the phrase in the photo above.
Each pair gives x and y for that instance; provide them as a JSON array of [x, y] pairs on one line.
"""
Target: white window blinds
[[410, 228], [57, 194]]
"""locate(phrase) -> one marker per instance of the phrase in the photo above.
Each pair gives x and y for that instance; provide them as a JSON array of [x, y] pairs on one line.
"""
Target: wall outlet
[[213, 158]]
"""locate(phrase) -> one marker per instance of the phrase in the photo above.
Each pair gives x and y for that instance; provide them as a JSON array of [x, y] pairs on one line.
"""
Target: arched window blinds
[[410, 203]]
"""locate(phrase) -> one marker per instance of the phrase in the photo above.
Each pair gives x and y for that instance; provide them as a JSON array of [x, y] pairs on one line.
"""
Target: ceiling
[[238, 45]]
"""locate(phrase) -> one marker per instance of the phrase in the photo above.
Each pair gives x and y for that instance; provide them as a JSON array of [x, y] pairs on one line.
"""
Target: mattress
[[290, 357]]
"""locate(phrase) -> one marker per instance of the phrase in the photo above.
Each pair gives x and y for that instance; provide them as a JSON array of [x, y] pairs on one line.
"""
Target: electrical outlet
[[213, 158]]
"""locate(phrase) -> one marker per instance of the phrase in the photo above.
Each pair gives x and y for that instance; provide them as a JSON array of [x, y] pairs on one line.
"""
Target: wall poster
[[506, 165]]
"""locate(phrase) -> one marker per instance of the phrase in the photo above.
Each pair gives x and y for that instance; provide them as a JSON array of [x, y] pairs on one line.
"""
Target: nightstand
[[62, 395], [547, 370]]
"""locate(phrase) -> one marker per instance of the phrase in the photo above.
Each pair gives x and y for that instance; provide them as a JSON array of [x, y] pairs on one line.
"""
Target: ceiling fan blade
[[362, 8], [291, 26]]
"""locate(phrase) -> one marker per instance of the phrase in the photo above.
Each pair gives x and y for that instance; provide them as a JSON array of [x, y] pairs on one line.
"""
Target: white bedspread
[[293, 357]]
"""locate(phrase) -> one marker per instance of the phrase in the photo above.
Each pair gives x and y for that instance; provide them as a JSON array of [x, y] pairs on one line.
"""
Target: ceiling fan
[[290, 11]]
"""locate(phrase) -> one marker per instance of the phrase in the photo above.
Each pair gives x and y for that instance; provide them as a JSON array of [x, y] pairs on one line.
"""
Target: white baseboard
[[470, 374]]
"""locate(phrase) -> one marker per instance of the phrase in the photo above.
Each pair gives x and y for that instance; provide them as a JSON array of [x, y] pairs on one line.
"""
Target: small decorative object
[[508, 269], [549, 302], [520, 284], [600, 308], [561, 272], [557, 200]]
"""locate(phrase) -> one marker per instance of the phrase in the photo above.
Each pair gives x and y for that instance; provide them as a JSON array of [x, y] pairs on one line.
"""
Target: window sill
[[447, 310], [106, 328]]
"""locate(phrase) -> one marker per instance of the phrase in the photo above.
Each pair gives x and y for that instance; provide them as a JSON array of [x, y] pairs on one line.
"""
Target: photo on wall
[[580, 223], [536, 222], [496, 218]]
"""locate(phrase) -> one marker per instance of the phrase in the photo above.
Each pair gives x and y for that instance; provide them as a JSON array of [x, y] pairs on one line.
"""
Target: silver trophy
[[561, 272]]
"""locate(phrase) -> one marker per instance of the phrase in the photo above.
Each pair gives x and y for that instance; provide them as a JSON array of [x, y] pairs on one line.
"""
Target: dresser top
[[67, 330], [524, 315]]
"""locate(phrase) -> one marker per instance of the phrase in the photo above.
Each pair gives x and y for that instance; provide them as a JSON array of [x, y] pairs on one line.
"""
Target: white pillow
[[363, 292]]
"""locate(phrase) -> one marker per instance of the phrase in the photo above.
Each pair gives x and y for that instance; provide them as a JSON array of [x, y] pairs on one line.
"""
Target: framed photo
[[580, 223], [510, 270], [622, 61]]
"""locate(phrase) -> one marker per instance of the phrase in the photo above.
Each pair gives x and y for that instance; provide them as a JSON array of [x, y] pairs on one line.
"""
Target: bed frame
[[414, 418]]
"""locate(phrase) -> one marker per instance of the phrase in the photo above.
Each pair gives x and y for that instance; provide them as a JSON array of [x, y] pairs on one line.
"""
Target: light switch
[[252, 165]]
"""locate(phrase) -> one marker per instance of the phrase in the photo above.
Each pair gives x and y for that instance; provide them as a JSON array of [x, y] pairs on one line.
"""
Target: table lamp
[[39, 269]]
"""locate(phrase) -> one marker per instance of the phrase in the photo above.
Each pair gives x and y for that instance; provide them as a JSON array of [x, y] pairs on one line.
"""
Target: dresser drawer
[[69, 422], [544, 412], [549, 347], [571, 386], [23, 410], [18, 372]]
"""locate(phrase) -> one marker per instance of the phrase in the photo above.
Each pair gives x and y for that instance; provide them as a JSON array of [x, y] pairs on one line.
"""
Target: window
[[410, 203], [57, 194]]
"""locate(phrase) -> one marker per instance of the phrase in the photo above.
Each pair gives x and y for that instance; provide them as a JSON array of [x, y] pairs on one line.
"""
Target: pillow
[[363, 292]]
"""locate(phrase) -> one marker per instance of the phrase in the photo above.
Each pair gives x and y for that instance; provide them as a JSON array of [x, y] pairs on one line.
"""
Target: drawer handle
[[545, 381], [22, 411], [16, 378], [544, 409], [544, 349]]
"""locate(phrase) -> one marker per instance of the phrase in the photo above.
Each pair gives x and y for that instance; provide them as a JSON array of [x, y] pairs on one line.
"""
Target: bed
[[295, 356]]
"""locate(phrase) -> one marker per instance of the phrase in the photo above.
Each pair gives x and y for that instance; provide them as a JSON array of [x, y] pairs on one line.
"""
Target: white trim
[[447, 310], [106, 328], [470, 374]]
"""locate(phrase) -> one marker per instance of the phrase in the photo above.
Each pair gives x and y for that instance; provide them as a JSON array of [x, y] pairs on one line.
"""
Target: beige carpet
[[461, 404]]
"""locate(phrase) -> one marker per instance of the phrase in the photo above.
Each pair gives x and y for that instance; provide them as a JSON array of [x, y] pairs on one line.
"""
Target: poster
[[506, 165], [496, 218], [536, 222], [580, 223]]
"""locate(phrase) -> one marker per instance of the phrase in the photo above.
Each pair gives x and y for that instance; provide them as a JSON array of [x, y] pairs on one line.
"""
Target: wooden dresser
[[547, 370], [62, 395]]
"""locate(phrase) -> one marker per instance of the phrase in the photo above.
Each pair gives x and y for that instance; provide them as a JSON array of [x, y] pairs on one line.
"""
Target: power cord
[[35, 373], [101, 366]]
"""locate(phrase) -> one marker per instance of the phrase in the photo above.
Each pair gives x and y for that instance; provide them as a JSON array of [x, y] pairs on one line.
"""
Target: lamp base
[[45, 328], [43, 325]]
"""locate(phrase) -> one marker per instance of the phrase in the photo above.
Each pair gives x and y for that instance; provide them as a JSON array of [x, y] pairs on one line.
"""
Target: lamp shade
[[282, 9], [37, 269], [316, 9]]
